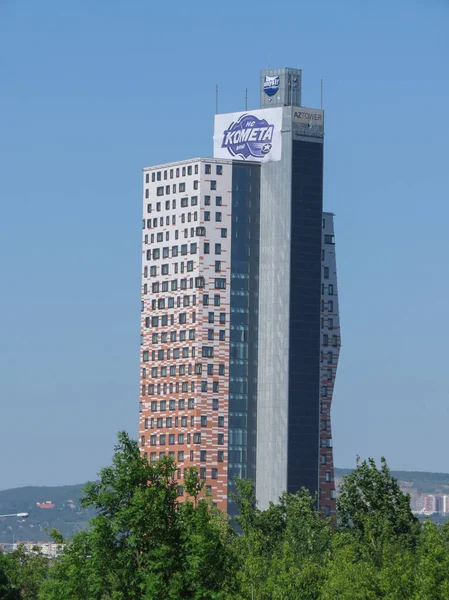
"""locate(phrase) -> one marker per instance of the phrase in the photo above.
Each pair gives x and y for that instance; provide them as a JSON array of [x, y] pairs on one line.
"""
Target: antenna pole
[[246, 99], [321, 94], [216, 99]]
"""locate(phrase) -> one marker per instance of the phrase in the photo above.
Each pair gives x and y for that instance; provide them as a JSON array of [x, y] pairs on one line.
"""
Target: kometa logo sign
[[248, 136], [271, 85]]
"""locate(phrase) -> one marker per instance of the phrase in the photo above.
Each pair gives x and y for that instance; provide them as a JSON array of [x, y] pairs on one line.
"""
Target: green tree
[[144, 543], [7, 590], [26, 571]]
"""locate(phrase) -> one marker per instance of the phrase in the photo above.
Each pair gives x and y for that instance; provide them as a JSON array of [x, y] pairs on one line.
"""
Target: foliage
[[22, 574], [145, 543]]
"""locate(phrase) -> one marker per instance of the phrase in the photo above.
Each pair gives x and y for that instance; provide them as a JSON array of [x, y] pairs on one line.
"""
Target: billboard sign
[[252, 135], [271, 85], [308, 116]]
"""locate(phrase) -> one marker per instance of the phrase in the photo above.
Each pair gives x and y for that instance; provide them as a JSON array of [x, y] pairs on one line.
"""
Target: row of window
[[181, 404], [167, 190], [184, 384], [182, 172], [184, 420], [197, 368], [206, 352], [185, 300], [183, 266], [153, 223], [184, 284], [184, 202], [183, 438]]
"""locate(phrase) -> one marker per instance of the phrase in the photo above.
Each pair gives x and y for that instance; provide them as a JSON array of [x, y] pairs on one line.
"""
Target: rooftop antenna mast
[[321, 96], [246, 99], [216, 99]]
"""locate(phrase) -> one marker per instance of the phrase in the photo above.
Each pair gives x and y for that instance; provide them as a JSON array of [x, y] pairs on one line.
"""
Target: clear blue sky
[[91, 92]]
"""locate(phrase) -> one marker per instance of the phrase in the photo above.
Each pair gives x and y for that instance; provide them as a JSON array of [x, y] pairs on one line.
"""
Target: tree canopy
[[146, 543]]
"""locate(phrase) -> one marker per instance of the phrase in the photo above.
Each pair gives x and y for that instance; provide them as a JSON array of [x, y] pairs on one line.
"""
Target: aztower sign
[[253, 135], [312, 116]]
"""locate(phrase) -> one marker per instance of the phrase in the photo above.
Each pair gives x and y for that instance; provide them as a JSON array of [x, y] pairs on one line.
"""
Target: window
[[326, 272], [180, 438], [184, 202], [195, 184], [220, 421], [213, 184], [220, 456], [324, 391], [203, 455], [216, 300], [207, 352], [145, 356], [222, 318], [224, 233], [206, 247], [210, 317], [214, 473], [328, 239], [325, 339], [191, 403], [217, 266], [204, 386], [219, 170], [200, 231], [330, 306], [207, 169], [215, 403], [181, 456], [329, 358], [193, 248], [202, 472], [206, 215], [324, 425], [160, 191], [182, 187], [215, 387], [218, 217], [206, 201], [335, 341], [153, 440], [328, 476], [323, 459], [330, 289], [197, 438], [205, 300], [220, 439], [182, 318], [220, 283], [217, 248], [203, 421], [330, 323]]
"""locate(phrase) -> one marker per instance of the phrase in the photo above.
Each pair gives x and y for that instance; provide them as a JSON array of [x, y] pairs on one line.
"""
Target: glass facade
[[305, 297], [243, 323]]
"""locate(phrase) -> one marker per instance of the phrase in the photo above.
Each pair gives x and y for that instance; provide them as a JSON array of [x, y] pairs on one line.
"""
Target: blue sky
[[91, 92]]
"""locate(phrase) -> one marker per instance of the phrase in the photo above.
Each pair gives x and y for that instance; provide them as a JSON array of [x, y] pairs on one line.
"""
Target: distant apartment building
[[431, 503]]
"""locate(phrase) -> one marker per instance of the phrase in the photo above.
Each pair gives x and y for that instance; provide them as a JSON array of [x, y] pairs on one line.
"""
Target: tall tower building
[[237, 268]]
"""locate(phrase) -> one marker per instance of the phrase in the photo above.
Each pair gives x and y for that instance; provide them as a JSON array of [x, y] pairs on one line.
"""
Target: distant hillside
[[64, 512], [420, 482], [66, 515]]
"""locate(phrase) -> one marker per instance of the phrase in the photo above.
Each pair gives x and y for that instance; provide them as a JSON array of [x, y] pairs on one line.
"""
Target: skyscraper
[[237, 268]]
